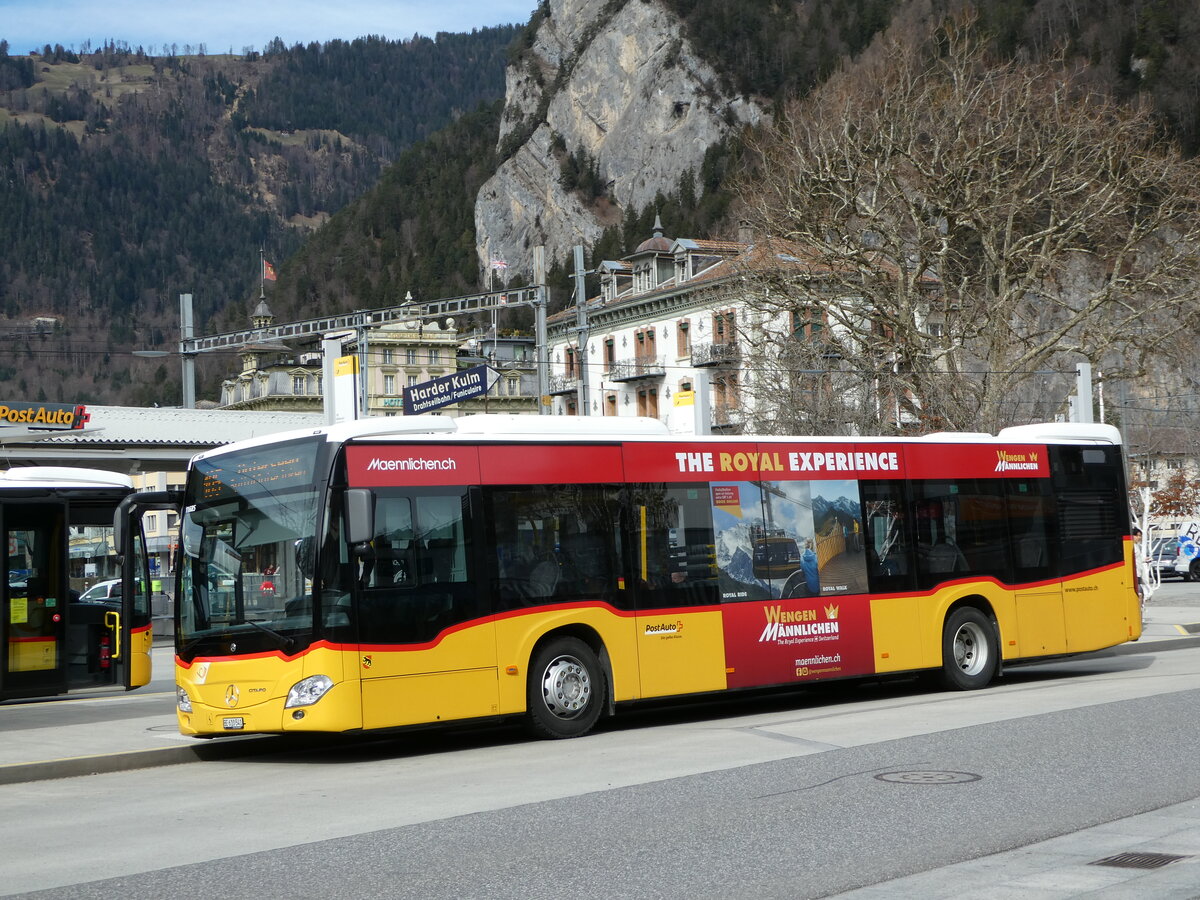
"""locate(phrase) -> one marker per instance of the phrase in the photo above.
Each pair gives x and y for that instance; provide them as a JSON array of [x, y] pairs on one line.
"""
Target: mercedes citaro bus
[[397, 572]]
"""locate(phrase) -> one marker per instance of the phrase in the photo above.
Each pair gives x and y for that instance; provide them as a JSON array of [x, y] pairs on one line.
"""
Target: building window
[[807, 323], [683, 338], [571, 363], [645, 344], [434, 356], [412, 380], [298, 385], [389, 356], [725, 396], [724, 327], [610, 353], [610, 404], [647, 403], [389, 384], [410, 356]]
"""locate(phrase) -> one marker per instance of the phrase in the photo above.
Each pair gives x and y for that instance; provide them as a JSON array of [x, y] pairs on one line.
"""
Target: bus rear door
[[33, 633]]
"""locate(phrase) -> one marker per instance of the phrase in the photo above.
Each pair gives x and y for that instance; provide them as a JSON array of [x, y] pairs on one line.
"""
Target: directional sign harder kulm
[[438, 392]]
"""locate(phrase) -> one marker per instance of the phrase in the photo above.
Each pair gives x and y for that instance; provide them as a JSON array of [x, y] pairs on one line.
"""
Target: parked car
[[1162, 557], [102, 591], [1187, 567]]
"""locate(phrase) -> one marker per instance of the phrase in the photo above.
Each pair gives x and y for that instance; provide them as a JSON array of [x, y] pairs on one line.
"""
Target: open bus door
[[33, 631], [134, 623]]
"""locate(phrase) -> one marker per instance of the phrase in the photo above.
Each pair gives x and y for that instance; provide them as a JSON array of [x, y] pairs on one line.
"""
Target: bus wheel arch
[[970, 645], [567, 688]]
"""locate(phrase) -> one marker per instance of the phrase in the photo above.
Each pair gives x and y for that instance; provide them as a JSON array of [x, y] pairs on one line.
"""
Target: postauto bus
[[67, 530], [398, 572]]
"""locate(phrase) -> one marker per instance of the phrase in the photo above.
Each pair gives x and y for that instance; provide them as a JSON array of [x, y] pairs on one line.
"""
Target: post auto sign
[[44, 416]]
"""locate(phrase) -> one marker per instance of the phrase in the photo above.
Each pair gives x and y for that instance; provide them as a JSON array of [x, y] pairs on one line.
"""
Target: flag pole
[[262, 274]]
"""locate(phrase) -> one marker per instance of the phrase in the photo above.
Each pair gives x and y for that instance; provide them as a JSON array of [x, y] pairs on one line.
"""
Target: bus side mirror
[[360, 516], [120, 529]]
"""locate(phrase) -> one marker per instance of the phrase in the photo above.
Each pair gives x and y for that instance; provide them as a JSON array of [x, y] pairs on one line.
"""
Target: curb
[[1146, 646], [217, 749], [128, 760]]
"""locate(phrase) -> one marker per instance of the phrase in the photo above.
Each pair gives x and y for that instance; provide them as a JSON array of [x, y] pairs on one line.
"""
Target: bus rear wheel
[[566, 689], [970, 653]]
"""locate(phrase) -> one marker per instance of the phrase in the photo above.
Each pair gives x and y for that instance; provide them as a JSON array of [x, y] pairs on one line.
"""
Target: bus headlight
[[308, 691], [183, 700]]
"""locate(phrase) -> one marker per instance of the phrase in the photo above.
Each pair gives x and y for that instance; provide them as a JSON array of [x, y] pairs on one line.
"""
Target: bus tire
[[566, 689], [970, 653]]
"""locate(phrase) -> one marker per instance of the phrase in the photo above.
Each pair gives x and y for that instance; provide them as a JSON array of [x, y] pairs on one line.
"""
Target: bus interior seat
[[543, 579], [945, 557], [440, 554], [586, 555]]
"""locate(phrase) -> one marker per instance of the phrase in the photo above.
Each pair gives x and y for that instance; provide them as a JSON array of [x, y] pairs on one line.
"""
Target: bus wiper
[[285, 643]]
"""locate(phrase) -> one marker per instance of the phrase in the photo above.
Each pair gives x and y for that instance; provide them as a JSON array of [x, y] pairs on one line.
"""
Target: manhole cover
[[1138, 860], [929, 777]]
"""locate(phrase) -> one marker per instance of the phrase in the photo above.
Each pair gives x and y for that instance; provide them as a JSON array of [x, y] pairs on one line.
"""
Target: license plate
[[233, 723]]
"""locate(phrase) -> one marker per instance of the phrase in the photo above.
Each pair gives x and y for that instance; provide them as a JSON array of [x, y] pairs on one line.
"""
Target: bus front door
[[33, 634], [134, 623]]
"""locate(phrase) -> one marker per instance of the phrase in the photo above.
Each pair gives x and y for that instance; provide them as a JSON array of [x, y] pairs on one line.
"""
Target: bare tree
[[966, 230]]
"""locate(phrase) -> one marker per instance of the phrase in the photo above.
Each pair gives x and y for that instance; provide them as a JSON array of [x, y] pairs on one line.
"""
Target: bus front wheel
[[566, 689], [969, 650]]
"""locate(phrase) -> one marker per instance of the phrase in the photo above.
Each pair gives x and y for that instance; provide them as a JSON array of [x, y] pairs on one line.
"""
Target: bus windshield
[[248, 543]]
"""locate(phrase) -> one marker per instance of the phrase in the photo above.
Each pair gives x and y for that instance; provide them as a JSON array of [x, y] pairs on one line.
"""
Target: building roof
[[125, 438]]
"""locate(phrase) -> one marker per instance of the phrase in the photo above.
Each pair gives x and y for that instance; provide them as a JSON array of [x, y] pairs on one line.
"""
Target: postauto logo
[[44, 416]]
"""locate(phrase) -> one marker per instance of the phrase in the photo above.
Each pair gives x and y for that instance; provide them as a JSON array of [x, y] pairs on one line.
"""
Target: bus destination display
[[259, 471]]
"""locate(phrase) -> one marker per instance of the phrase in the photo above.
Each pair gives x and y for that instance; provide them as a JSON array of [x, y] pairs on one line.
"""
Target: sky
[[222, 25]]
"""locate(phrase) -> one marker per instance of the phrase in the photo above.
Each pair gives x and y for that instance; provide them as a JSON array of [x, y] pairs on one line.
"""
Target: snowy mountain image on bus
[[788, 539]]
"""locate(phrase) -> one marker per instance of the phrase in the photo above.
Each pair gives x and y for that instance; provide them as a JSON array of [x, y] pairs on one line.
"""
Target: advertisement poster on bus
[[786, 550], [796, 640], [780, 539]]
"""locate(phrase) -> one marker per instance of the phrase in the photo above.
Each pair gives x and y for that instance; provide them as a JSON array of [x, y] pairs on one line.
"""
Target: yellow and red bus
[[76, 605], [398, 572]]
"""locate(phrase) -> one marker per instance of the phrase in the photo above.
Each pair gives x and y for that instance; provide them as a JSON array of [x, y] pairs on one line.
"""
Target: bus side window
[[418, 577], [888, 544], [554, 543], [1031, 523], [674, 556], [961, 528], [1092, 514], [393, 548]]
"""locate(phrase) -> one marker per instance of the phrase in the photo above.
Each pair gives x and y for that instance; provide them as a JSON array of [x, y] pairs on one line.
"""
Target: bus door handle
[[112, 621]]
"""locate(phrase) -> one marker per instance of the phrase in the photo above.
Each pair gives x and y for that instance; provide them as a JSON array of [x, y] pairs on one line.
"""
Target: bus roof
[[510, 427], [63, 477]]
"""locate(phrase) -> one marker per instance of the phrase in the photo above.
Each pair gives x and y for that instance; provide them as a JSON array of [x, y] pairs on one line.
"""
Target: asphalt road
[[804, 795]]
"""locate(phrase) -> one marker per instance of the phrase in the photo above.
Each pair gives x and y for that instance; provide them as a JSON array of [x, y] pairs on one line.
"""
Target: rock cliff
[[620, 82]]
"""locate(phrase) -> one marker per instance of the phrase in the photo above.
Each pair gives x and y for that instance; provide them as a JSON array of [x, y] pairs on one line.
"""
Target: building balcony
[[636, 369], [564, 384], [724, 353], [271, 388]]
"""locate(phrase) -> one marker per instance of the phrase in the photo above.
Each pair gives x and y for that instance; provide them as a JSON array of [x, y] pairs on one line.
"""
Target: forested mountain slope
[[357, 166], [128, 179]]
